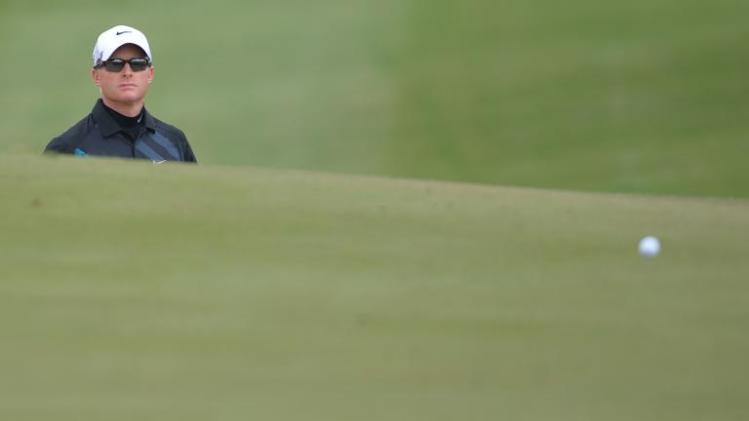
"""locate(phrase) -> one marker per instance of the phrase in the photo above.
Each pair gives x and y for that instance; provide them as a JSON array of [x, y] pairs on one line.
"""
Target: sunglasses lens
[[138, 64], [114, 65]]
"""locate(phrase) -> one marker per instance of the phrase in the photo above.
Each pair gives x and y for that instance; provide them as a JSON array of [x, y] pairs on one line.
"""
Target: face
[[126, 87]]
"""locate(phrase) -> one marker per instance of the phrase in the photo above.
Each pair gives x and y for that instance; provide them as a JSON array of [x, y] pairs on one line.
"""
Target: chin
[[127, 98]]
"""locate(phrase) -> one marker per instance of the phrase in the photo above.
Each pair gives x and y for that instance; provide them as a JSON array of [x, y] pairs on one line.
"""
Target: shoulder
[[170, 131], [72, 137]]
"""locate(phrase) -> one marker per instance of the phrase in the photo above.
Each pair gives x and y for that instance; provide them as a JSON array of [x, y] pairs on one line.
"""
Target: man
[[119, 125]]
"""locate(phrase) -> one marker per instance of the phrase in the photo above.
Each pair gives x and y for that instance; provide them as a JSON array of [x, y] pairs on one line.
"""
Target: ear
[[150, 74], [95, 76]]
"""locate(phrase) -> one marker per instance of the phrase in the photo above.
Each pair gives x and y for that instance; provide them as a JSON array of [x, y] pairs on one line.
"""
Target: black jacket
[[99, 134]]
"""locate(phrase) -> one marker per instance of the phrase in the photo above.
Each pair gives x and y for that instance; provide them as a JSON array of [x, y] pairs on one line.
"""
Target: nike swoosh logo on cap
[[124, 32]]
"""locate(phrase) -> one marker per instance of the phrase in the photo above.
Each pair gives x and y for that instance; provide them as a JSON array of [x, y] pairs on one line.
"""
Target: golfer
[[119, 125]]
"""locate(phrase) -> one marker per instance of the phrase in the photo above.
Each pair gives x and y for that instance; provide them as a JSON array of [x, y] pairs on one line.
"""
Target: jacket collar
[[108, 126]]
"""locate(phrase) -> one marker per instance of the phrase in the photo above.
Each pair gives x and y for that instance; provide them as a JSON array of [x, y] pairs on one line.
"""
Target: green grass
[[647, 96], [133, 291]]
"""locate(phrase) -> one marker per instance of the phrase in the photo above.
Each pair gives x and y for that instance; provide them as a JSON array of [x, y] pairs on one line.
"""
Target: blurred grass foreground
[[288, 295]]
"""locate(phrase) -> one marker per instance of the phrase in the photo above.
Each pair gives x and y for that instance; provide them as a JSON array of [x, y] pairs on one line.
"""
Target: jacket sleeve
[[58, 145], [189, 156]]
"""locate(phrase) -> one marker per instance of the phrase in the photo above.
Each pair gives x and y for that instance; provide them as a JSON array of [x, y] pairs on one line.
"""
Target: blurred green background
[[641, 96]]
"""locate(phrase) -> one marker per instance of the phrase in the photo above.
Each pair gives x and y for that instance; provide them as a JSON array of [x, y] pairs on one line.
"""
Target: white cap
[[114, 38]]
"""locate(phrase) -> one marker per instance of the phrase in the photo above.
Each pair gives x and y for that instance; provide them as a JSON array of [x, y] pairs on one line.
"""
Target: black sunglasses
[[138, 64]]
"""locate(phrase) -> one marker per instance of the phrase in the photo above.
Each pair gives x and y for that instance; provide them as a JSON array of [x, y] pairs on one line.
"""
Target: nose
[[127, 70]]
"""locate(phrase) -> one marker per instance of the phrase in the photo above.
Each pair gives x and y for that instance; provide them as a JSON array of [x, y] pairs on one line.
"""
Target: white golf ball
[[650, 246]]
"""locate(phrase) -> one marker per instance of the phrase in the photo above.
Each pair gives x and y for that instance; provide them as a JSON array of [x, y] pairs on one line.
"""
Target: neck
[[130, 109]]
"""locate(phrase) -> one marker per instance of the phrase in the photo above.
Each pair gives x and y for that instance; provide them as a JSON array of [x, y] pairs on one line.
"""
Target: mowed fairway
[[131, 291]]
